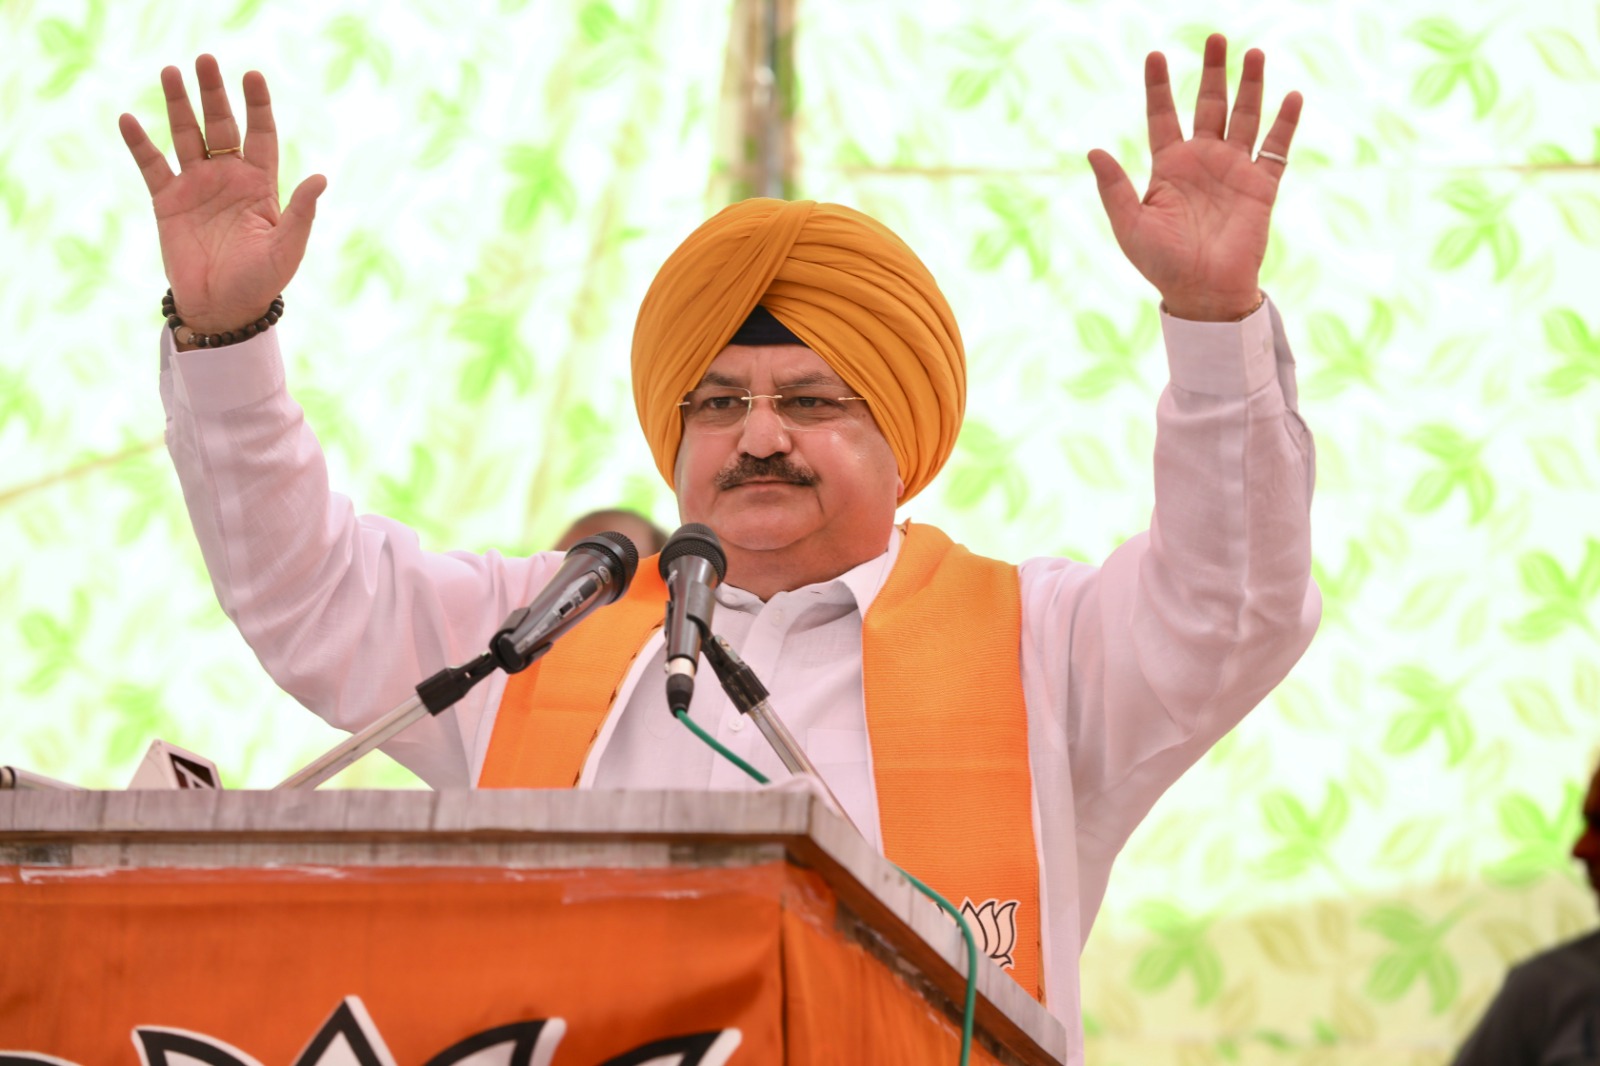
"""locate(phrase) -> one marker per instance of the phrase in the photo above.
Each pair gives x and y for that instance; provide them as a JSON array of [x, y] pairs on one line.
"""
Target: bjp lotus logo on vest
[[995, 925]]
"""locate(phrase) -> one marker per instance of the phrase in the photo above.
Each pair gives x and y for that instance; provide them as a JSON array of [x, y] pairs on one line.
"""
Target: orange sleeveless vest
[[945, 720]]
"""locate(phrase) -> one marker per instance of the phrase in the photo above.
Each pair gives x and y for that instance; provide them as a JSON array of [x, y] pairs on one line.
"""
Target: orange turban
[[841, 282]]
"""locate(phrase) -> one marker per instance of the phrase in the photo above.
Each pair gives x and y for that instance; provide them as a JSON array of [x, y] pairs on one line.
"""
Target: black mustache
[[767, 468]]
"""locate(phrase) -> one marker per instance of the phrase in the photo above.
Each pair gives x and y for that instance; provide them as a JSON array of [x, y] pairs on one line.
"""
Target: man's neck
[[764, 574]]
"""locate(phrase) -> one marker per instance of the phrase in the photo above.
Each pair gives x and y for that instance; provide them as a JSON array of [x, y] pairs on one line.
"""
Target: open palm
[[1200, 232], [227, 248]]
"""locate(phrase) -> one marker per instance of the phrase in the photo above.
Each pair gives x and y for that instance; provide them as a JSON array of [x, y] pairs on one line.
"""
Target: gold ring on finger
[[212, 153]]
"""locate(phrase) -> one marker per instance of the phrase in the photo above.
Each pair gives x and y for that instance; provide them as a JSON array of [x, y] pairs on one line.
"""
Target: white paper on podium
[[167, 766]]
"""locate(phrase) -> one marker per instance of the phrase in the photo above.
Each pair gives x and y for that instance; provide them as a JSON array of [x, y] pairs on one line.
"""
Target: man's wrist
[[186, 338], [1213, 308]]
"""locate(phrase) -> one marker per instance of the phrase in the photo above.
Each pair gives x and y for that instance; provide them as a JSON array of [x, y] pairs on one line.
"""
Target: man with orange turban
[[997, 730]]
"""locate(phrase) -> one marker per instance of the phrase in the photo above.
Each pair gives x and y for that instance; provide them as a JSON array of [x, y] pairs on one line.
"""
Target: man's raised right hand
[[226, 246]]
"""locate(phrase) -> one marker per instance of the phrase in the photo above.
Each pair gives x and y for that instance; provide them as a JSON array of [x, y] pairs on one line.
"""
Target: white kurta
[[1130, 670]]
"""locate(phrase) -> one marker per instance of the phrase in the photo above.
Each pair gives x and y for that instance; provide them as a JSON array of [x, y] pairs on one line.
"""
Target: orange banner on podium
[[440, 966]]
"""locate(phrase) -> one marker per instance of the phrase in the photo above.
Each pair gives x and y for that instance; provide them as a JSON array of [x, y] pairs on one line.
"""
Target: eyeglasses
[[723, 407]]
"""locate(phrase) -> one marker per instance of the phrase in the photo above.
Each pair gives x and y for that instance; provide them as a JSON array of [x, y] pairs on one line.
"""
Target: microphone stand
[[524, 637], [513, 649], [749, 695], [435, 695], [26, 780]]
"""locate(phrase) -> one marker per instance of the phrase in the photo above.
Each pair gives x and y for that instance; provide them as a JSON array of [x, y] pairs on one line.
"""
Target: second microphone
[[692, 565]]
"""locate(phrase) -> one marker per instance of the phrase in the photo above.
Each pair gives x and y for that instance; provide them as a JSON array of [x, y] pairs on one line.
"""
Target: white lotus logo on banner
[[995, 925], [349, 1038]]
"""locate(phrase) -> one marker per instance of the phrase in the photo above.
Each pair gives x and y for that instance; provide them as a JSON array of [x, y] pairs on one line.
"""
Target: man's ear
[[899, 488]]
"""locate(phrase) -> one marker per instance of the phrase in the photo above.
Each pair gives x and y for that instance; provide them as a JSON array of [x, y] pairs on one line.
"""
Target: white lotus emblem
[[995, 925]]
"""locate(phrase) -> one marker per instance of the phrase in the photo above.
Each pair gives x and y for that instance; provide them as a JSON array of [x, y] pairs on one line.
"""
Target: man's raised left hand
[[1200, 232]]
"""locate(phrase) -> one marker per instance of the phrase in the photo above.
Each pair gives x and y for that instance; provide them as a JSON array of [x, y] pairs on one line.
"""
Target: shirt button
[[738, 723]]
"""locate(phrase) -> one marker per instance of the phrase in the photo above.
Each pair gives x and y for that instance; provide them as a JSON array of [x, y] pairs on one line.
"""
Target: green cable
[[970, 1005], [683, 716]]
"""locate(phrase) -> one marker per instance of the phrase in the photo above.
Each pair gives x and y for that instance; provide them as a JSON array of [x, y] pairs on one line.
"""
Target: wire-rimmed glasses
[[719, 408]]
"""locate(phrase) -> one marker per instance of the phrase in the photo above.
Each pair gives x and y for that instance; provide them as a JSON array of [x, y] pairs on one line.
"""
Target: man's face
[[829, 490], [1587, 849]]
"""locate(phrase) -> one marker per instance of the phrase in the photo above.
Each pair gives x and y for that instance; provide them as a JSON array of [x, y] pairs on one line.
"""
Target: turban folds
[[844, 284]]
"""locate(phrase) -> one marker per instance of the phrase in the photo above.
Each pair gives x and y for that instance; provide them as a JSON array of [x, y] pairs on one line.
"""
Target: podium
[[524, 928]]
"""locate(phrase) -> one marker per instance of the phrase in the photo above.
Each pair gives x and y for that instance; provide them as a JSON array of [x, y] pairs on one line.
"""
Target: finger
[[1246, 120], [294, 228], [1211, 106], [187, 141], [221, 130], [1159, 109], [1116, 191], [152, 164], [261, 134], [1281, 133]]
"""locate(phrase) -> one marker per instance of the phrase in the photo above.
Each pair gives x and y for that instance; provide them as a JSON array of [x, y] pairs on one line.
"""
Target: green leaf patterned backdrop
[[1343, 879]]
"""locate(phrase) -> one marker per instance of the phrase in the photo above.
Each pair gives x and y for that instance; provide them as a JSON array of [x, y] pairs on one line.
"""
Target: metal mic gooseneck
[[749, 695]]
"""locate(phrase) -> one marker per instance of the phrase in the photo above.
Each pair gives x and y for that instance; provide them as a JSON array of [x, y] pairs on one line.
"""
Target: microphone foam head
[[697, 540], [619, 548]]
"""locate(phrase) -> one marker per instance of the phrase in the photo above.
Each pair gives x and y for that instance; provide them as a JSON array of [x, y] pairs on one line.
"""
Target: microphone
[[596, 571], [692, 564]]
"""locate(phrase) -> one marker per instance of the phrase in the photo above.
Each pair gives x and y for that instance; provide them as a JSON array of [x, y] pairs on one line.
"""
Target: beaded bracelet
[[169, 309]]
